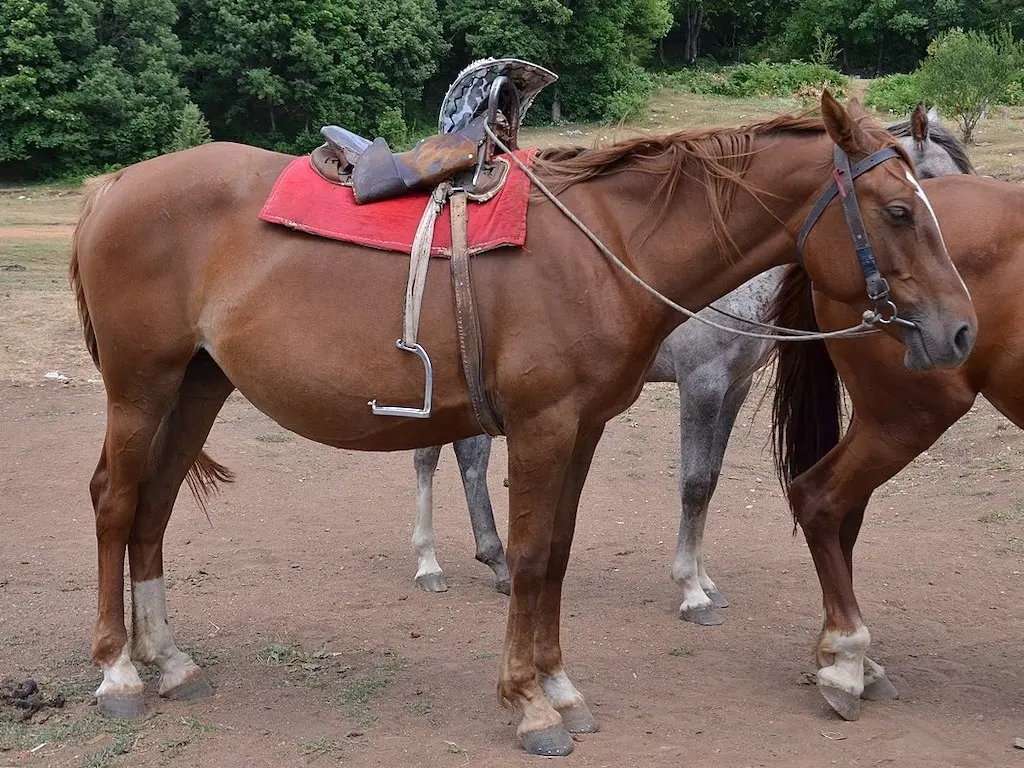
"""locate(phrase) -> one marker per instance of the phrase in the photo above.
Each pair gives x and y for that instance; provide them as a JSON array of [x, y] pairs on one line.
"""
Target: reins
[[870, 319]]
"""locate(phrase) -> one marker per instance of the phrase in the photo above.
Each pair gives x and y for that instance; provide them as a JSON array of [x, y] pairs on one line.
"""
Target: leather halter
[[877, 286]]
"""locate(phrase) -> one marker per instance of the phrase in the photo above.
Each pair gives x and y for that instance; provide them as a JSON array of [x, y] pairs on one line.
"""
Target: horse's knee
[[424, 461]]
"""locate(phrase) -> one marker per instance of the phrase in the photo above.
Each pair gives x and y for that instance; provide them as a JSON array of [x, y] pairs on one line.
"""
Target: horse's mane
[[719, 158], [944, 138]]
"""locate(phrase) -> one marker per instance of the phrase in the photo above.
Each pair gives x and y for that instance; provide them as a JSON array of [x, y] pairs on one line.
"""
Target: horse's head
[[934, 150], [901, 267]]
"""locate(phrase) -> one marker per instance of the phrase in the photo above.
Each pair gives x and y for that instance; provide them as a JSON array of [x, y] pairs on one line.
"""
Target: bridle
[[877, 287]]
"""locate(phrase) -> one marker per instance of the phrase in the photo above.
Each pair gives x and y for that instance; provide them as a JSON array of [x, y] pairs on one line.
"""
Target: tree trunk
[[694, 22], [556, 107], [881, 49]]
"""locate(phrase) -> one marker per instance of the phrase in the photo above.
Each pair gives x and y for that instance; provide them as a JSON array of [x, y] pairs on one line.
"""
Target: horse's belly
[[312, 352]]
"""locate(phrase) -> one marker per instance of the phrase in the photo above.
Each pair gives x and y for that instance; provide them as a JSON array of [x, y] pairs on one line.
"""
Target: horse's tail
[[806, 409], [205, 473], [203, 476]]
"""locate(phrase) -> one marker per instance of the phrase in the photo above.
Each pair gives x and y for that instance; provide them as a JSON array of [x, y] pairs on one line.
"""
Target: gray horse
[[714, 371]]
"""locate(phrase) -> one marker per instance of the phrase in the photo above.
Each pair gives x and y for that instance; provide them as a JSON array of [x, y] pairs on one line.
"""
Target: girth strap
[[470, 338]]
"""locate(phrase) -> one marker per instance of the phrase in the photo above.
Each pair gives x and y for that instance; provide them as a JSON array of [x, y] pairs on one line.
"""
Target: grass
[[322, 746], [357, 695], [275, 437], [276, 654], [1012, 515], [67, 729]]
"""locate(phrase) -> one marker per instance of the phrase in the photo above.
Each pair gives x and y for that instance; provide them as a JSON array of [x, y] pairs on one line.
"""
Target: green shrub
[[759, 79], [1015, 91], [965, 72], [897, 93], [192, 129], [633, 87]]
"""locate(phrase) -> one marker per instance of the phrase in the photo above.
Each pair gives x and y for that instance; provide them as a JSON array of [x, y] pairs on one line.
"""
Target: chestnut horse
[[714, 371], [185, 295], [896, 414]]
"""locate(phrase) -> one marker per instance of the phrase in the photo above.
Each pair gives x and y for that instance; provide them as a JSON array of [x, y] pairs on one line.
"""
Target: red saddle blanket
[[301, 199]]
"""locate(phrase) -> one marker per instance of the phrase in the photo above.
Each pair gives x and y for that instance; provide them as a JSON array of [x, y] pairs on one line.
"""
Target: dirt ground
[[296, 594]]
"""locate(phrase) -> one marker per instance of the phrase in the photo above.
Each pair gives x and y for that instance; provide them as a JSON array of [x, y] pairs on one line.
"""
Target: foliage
[[965, 72], [192, 129], [897, 93], [826, 48], [271, 72], [89, 85], [600, 62], [761, 79], [86, 84]]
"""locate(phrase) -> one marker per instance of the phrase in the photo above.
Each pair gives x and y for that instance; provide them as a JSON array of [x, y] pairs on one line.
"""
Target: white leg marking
[[559, 690], [423, 534], [152, 641], [686, 573], [872, 671], [849, 652], [120, 678]]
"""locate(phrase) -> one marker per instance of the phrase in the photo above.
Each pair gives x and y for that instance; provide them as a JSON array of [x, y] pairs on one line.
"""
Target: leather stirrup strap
[[470, 339]]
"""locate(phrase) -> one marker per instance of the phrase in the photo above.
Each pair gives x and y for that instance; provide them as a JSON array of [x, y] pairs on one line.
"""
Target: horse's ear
[[933, 116], [842, 128], [919, 124]]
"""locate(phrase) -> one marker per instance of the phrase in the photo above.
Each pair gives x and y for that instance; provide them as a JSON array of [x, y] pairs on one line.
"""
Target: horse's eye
[[900, 214]]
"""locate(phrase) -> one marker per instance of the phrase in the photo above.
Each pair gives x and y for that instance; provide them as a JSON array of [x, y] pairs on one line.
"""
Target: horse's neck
[[683, 259]]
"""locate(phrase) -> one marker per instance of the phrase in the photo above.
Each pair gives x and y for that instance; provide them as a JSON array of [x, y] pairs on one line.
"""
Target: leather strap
[[832, 190], [470, 338]]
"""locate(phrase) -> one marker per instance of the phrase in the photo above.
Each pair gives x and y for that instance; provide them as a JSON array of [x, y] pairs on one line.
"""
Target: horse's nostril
[[964, 340]]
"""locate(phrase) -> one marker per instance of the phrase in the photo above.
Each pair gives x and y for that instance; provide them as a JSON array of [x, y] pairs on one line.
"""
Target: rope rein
[[866, 327]]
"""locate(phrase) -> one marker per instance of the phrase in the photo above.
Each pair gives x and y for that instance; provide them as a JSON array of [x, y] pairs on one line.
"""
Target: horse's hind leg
[[473, 455], [134, 414], [176, 448], [429, 577], [706, 417]]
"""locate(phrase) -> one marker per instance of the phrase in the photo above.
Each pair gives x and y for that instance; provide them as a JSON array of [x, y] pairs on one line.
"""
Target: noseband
[[877, 287]]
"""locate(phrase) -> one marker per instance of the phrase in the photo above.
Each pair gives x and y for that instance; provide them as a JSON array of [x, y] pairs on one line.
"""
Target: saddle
[[376, 173], [457, 164]]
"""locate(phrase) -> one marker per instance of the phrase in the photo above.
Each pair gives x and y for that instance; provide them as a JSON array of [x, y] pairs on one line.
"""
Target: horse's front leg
[[547, 466], [559, 690], [828, 501]]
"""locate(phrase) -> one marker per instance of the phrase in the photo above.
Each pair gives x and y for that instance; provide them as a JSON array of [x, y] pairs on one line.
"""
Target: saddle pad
[[301, 199]]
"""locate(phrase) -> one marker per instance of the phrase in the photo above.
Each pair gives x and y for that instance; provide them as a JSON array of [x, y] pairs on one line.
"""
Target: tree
[[85, 84], [967, 71], [607, 42], [192, 130], [271, 72]]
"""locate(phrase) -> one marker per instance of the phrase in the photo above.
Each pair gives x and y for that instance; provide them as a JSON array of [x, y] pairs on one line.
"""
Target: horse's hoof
[[717, 598], [551, 742], [705, 616], [124, 705], [432, 582], [504, 586], [578, 719], [196, 688], [880, 689], [846, 704]]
